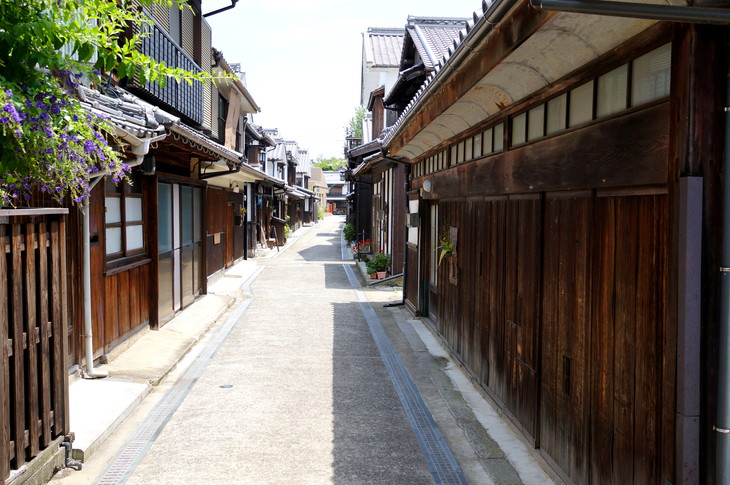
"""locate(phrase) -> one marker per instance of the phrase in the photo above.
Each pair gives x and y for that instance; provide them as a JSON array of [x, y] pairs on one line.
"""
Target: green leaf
[[162, 81], [84, 52], [143, 76], [110, 61], [122, 70]]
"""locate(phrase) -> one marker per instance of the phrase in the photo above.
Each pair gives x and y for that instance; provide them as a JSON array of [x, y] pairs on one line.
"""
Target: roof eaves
[[481, 24]]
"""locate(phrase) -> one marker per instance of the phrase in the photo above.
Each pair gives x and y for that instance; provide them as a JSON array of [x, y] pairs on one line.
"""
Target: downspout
[[722, 425], [696, 15], [140, 147], [232, 5]]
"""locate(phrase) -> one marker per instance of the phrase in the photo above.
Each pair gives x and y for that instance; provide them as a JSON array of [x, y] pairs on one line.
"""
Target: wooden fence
[[33, 316]]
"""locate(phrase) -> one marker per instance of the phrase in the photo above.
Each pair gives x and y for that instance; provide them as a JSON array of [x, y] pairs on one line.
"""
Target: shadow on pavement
[[373, 441]]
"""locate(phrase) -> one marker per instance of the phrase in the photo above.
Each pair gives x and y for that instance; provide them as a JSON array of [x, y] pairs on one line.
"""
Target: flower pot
[[372, 276], [381, 274]]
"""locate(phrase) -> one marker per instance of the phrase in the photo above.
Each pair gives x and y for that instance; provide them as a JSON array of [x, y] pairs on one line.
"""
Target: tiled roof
[[123, 113], [433, 36], [305, 164], [491, 13], [383, 46]]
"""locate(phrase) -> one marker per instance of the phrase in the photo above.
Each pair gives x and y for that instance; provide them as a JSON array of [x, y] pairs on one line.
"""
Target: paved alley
[[303, 384], [297, 394]]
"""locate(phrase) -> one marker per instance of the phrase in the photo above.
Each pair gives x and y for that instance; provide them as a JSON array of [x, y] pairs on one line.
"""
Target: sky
[[302, 58]]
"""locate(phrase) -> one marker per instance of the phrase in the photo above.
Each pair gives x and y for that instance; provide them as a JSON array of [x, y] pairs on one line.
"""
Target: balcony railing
[[182, 97]]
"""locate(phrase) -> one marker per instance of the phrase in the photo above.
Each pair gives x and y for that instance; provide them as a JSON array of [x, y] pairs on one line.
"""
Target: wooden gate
[[33, 316]]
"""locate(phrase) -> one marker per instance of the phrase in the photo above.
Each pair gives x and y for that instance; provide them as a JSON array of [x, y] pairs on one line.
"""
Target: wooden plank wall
[[559, 308], [217, 201], [126, 303], [33, 315]]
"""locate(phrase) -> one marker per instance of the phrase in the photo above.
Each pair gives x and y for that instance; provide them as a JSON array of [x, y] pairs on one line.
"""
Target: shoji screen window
[[123, 219]]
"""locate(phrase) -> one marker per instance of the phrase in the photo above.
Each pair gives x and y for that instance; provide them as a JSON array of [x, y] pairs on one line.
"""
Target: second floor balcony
[[180, 97]]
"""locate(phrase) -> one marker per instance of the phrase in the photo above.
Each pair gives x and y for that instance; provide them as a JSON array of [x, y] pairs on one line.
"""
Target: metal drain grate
[[438, 456], [127, 459]]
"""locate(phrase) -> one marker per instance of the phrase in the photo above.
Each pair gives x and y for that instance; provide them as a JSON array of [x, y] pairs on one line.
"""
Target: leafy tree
[[47, 47], [355, 124], [331, 163]]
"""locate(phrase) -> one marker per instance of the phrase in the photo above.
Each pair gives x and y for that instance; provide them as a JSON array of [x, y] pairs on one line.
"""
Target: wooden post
[[57, 332], [45, 335], [62, 382], [18, 345], [31, 332], [4, 363]]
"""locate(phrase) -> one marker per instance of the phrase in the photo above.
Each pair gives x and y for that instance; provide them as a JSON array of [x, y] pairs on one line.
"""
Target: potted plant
[[379, 264], [349, 233]]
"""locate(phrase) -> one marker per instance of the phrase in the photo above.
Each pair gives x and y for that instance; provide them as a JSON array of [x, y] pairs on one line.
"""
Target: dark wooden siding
[[564, 392], [398, 223], [558, 306], [557, 301], [126, 303], [216, 211], [630, 302]]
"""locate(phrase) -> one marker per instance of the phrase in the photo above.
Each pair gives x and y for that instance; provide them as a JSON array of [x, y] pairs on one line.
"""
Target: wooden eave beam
[[518, 26]]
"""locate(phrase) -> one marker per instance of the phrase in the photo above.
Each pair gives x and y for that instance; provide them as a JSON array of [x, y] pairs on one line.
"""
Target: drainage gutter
[[696, 15]]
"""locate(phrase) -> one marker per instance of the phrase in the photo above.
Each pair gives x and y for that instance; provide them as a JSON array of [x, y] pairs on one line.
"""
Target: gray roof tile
[[383, 46]]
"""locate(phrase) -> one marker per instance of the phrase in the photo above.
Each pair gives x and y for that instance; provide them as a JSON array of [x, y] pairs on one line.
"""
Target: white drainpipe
[[140, 147]]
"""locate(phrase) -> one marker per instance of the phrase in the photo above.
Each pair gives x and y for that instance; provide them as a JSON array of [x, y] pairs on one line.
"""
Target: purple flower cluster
[[59, 155]]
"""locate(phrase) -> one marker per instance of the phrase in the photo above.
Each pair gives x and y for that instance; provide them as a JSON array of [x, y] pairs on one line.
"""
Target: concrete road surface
[[298, 392]]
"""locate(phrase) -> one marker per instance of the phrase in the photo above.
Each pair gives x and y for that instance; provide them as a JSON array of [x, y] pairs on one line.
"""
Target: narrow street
[[309, 399], [297, 391]]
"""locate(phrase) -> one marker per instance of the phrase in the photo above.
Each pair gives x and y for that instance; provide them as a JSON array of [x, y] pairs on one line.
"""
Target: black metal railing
[[182, 97]]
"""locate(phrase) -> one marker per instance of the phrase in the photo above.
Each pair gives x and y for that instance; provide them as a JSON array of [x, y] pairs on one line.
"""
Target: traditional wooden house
[[381, 54], [337, 191], [382, 180], [231, 187], [318, 185], [258, 145], [565, 230]]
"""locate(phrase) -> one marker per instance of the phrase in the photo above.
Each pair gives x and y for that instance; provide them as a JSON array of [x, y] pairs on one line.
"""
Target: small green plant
[[287, 231], [379, 262], [445, 247], [349, 232]]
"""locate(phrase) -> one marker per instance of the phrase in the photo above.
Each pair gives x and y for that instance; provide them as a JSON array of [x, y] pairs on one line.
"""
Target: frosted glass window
[[164, 211], [113, 240], [536, 123], [133, 209], [453, 155], [612, 91], [135, 239], [460, 152], [519, 125], [196, 214], [477, 145], [186, 206], [113, 210], [469, 153], [557, 113], [498, 137], [651, 75], [165, 285], [487, 142], [581, 104], [442, 160]]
